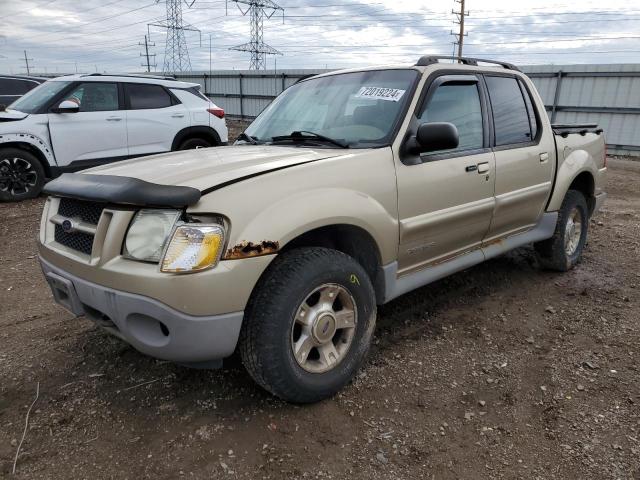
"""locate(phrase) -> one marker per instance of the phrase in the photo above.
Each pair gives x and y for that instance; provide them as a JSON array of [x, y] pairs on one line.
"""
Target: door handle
[[471, 168], [178, 115], [114, 119], [544, 157], [483, 167]]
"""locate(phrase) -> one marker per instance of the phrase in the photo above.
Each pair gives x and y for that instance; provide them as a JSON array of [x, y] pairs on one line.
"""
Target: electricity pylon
[[258, 10], [176, 55]]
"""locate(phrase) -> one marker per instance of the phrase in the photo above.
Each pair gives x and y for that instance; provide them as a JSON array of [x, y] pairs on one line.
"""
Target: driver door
[[97, 132], [446, 198]]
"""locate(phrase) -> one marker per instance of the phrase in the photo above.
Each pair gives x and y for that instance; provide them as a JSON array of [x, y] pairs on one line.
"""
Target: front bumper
[[148, 325]]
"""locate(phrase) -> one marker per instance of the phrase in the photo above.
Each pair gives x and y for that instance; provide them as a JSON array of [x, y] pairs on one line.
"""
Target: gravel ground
[[501, 371]]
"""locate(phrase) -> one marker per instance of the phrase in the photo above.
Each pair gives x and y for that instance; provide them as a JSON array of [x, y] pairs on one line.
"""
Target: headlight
[[193, 247], [148, 234]]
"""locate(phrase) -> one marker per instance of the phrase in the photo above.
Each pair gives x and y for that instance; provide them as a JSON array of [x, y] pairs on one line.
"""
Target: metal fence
[[608, 95], [245, 93]]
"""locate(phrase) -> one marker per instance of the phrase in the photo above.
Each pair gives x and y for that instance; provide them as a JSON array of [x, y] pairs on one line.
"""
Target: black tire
[[21, 175], [266, 336], [552, 253], [193, 143]]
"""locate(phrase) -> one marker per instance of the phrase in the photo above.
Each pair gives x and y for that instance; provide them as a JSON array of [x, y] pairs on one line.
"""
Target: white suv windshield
[[34, 100], [356, 109]]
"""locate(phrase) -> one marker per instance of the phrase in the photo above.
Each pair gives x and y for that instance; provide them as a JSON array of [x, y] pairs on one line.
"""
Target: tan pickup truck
[[350, 189]]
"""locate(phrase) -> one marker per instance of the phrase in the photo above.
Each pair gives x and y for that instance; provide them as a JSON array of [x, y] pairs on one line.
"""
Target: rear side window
[[142, 97], [10, 86], [457, 103], [510, 115]]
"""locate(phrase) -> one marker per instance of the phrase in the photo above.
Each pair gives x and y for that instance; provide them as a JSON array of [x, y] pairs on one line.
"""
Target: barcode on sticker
[[381, 93]]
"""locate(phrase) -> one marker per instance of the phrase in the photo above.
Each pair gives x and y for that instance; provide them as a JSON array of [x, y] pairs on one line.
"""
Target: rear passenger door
[[524, 154], [445, 198], [154, 117]]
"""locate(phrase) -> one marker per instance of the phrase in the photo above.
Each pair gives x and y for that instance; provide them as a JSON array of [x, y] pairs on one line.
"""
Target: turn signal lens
[[193, 248]]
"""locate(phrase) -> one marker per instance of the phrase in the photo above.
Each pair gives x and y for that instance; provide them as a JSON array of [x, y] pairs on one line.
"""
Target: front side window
[[143, 96], [358, 109], [459, 104], [36, 99], [95, 97], [510, 116]]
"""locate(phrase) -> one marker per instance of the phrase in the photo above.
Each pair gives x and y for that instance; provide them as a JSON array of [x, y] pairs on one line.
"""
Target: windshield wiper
[[302, 135], [247, 138]]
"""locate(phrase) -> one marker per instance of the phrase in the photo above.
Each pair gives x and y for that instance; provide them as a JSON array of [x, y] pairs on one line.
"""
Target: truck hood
[[12, 116], [209, 168]]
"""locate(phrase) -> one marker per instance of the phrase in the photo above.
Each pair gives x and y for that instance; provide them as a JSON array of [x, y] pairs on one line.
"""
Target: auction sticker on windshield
[[380, 93]]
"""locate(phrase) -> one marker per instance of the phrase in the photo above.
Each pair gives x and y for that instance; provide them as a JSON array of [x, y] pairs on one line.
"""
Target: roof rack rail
[[431, 59], [130, 75]]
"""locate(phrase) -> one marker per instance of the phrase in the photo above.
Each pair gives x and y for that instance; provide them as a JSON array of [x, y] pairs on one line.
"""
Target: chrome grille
[[87, 214], [86, 211], [82, 242]]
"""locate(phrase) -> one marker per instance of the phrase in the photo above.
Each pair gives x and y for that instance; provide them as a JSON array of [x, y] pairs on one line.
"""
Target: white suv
[[79, 121]]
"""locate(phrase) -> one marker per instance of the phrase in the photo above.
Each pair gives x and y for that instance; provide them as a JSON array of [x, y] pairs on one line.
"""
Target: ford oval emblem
[[67, 226]]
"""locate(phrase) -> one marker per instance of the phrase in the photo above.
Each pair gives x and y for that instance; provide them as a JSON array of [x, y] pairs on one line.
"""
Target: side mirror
[[67, 106], [433, 136]]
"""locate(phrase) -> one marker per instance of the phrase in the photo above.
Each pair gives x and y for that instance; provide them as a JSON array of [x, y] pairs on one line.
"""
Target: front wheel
[[308, 325], [562, 251], [194, 143], [21, 175]]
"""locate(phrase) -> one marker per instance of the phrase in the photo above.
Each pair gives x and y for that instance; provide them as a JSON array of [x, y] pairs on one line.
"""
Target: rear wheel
[[21, 175], [308, 325], [562, 251], [193, 143]]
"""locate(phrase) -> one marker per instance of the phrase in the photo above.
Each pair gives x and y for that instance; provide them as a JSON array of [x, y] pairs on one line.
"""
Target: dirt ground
[[501, 371]]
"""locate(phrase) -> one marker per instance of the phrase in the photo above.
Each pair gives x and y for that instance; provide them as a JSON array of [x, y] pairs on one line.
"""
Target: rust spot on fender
[[246, 249]]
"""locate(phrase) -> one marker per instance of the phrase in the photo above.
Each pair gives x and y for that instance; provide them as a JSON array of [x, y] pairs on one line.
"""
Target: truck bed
[[564, 129]]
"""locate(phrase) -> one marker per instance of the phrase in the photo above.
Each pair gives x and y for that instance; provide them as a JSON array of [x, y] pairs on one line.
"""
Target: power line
[[28, 10]]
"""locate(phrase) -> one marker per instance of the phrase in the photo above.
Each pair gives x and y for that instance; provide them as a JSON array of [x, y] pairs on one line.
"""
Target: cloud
[[104, 35]]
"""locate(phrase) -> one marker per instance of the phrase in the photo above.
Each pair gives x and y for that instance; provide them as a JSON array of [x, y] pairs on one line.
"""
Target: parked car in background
[[349, 190], [74, 122], [12, 87]]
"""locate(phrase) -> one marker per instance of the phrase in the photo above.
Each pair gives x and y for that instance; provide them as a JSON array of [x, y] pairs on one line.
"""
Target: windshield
[[34, 100], [357, 109]]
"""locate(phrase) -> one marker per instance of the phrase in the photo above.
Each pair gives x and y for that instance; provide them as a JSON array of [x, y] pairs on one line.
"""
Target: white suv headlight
[[148, 234], [193, 247]]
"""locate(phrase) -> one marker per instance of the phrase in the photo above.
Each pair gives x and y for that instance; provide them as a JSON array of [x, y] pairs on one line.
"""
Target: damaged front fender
[[249, 249]]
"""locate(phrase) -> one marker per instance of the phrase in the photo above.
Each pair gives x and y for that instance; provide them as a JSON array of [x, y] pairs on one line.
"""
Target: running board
[[394, 286]]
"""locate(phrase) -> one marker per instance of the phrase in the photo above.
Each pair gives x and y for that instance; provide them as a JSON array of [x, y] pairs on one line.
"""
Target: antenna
[[258, 10], [176, 55]]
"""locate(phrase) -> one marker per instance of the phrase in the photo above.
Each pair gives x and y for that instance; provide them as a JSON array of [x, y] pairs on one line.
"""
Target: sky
[[65, 36]]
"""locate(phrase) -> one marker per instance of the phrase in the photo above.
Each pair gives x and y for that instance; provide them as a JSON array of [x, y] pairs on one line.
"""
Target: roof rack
[[431, 59], [130, 75]]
